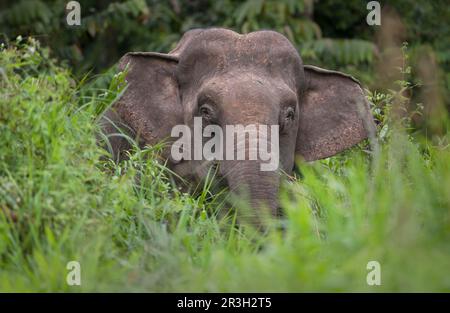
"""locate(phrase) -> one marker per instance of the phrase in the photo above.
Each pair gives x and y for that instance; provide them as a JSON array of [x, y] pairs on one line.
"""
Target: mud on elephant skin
[[228, 78]]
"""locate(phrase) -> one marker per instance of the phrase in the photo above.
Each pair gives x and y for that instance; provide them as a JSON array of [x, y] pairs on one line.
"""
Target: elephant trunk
[[251, 169], [256, 187]]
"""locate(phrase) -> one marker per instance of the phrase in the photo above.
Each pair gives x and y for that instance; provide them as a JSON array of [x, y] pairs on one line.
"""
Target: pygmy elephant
[[226, 78]]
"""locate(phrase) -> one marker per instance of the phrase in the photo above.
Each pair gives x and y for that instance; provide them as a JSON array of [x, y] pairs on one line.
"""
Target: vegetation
[[63, 199], [110, 29]]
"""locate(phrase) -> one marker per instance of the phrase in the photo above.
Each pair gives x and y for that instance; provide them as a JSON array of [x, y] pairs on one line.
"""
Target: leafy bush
[[62, 199]]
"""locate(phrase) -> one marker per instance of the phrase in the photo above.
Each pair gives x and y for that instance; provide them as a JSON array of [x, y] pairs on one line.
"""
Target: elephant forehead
[[218, 50]]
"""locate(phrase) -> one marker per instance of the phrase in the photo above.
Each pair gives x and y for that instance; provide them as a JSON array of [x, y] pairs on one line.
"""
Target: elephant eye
[[206, 111], [286, 119], [290, 114]]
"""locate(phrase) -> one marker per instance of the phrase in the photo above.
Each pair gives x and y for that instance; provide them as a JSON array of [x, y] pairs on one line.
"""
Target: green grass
[[145, 235]]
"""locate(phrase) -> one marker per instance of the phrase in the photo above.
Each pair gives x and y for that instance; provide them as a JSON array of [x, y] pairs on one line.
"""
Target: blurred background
[[329, 33], [62, 200]]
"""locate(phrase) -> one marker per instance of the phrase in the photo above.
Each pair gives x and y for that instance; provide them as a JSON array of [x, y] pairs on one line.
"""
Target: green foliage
[[327, 33], [110, 29], [62, 199]]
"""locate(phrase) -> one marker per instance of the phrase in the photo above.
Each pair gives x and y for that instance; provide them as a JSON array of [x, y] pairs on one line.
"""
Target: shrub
[[62, 199]]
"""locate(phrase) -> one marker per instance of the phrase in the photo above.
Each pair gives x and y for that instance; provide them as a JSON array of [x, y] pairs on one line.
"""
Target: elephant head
[[226, 78]]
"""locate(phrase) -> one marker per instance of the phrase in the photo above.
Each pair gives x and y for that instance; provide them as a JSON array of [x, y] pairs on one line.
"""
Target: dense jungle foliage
[[62, 198]]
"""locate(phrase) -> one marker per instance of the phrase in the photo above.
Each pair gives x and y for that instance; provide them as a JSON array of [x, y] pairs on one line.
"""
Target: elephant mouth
[[210, 176], [198, 173]]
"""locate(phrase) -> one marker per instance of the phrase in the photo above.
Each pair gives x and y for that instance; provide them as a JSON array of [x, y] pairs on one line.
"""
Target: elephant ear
[[334, 114], [150, 105]]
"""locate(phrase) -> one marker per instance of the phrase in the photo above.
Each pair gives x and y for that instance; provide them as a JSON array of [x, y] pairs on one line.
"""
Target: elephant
[[227, 78]]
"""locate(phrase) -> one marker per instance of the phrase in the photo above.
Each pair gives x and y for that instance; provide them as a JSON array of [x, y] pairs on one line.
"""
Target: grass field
[[61, 201]]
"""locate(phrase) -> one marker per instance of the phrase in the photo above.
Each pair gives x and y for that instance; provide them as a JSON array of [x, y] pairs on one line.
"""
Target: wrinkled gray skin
[[256, 78]]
